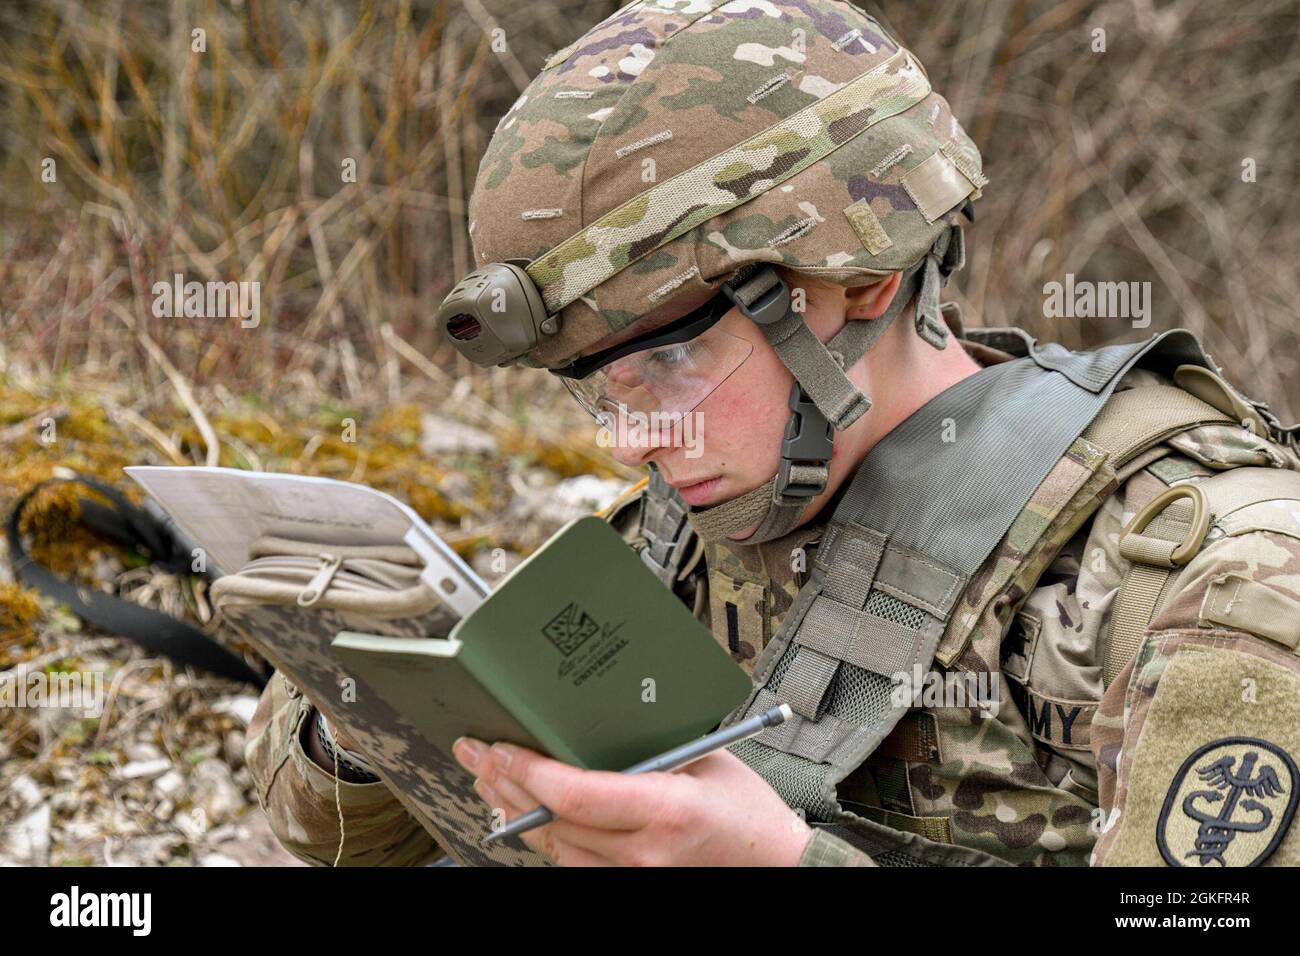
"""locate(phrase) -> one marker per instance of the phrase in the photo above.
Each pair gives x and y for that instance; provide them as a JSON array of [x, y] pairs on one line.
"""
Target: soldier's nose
[[623, 374]]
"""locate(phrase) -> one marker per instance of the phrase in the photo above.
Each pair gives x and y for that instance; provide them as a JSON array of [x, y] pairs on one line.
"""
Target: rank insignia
[[1229, 804]]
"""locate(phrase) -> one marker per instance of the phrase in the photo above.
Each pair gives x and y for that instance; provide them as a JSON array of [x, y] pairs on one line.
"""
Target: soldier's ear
[[871, 301]]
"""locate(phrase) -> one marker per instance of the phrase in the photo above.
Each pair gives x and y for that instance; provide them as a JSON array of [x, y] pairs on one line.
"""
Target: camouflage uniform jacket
[[1060, 769]]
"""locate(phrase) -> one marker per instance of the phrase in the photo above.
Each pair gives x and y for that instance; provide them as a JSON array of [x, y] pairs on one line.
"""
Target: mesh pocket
[[855, 694], [897, 858], [858, 696], [799, 782], [781, 666], [895, 611]]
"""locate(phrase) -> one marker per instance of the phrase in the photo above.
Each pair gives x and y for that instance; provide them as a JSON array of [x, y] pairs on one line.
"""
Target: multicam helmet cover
[[680, 140]]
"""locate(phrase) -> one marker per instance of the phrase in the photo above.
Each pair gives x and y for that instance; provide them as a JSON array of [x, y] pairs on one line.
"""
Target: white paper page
[[225, 509]]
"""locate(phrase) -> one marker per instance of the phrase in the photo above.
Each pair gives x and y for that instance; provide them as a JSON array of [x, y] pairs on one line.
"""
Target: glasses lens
[[671, 379]]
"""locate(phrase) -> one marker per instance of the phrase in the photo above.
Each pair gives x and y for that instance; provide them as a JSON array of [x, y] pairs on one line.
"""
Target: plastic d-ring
[[1185, 551]]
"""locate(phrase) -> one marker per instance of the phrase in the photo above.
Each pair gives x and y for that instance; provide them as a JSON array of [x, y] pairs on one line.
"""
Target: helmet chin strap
[[822, 400]]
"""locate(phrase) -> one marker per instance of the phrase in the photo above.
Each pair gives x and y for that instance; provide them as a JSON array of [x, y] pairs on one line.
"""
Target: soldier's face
[[732, 443]]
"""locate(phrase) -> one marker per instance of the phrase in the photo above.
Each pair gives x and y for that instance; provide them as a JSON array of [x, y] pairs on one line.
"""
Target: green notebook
[[580, 653]]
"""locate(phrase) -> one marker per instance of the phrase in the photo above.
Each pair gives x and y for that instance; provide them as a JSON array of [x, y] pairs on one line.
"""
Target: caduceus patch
[[1230, 804]]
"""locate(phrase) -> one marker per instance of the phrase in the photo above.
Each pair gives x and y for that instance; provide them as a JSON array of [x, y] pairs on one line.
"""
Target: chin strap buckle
[[805, 450], [761, 295]]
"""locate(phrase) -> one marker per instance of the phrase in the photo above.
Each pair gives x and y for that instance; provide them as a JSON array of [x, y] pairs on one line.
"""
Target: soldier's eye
[[672, 356]]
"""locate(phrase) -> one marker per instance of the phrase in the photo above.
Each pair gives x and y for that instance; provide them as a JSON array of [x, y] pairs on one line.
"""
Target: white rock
[[232, 748], [227, 831], [589, 492], [26, 790], [570, 498], [146, 850], [240, 707], [144, 769], [214, 791], [170, 784], [192, 825], [442, 435], [27, 842], [217, 859], [80, 831], [142, 752]]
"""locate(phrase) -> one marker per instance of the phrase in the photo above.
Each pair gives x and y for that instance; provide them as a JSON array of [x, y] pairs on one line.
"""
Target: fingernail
[[467, 752], [502, 754], [487, 793]]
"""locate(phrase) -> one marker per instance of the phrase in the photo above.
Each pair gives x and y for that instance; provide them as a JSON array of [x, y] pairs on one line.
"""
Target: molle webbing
[[665, 529], [925, 510]]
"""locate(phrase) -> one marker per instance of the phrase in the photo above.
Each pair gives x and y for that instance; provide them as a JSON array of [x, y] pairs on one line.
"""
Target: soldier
[[1028, 605]]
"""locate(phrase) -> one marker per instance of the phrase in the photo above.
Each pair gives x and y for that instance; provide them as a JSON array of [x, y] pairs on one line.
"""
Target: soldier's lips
[[698, 494]]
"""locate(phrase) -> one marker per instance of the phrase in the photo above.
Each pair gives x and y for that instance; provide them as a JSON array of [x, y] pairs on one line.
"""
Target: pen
[[669, 760]]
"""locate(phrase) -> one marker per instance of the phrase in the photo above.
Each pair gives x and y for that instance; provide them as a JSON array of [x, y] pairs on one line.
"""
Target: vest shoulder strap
[[1122, 438], [916, 523]]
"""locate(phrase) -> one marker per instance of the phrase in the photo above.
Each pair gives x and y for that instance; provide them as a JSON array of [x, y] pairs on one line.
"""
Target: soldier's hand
[[714, 812]]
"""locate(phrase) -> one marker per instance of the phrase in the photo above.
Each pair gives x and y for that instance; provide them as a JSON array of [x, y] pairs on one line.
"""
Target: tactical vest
[[889, 589]]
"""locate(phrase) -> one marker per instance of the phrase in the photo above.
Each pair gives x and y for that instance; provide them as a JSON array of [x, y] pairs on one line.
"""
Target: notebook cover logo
[[570, 629]]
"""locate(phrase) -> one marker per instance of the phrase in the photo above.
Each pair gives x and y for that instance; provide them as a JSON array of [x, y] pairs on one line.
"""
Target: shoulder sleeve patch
[[1207, 773], [1230, 804]]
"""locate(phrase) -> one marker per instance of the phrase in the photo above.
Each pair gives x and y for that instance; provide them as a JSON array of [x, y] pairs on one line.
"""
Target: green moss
[[305, 440]]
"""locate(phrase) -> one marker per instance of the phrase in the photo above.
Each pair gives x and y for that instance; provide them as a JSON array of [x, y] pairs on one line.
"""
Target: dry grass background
[[225, 165]]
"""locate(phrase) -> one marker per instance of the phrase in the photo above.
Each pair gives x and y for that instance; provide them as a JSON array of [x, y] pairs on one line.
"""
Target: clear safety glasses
[[670, 370]]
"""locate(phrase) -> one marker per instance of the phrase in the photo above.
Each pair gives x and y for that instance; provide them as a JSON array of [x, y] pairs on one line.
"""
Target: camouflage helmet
[[681, 140]]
